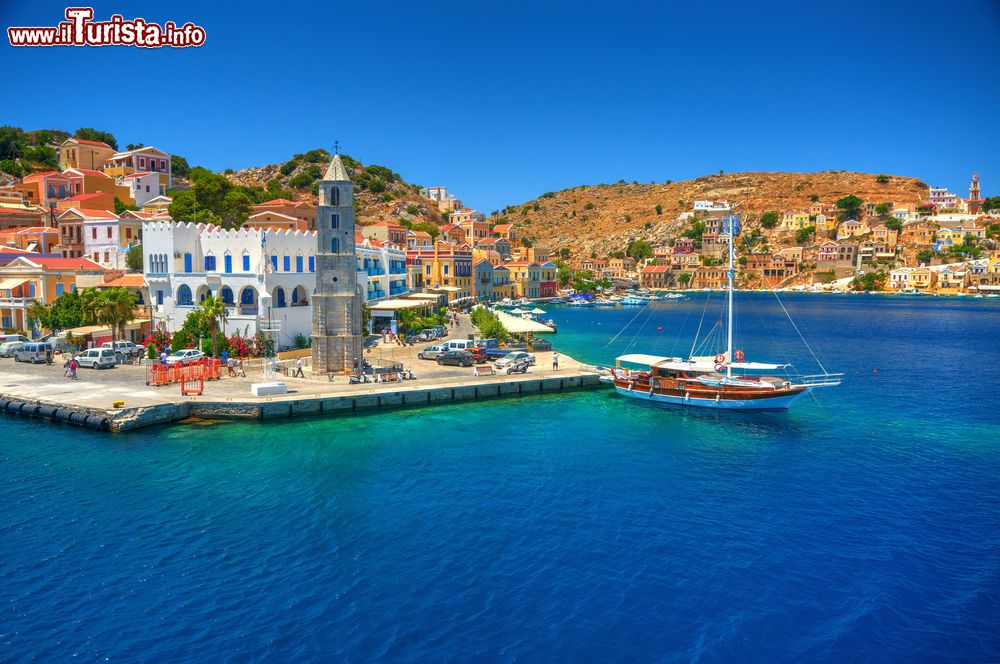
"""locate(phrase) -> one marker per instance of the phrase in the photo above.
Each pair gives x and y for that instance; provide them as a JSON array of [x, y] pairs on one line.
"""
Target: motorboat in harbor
[[725, 381]]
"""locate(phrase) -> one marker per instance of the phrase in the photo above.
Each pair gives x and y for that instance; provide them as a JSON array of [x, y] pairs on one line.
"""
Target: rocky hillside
[[605, 218], [380, 193]]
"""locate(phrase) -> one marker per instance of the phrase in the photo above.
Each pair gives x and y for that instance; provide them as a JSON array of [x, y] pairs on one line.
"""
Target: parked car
[[428, 335], [31, 352], [185, 357], [125, 350], [97, 358], [7, 348], [4, 338], [440, 330], [479, 355], [456, 358], [431, 352], [510, 358]]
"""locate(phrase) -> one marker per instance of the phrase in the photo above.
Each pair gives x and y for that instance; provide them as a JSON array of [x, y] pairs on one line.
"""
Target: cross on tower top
[[336, 147]]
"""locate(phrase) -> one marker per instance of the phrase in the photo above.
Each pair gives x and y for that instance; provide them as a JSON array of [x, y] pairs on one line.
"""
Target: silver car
[[431, 352], [514, 356], [7, 348]]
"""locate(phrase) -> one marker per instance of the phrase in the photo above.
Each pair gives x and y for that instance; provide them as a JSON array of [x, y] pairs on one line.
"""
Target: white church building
[[260, 274]]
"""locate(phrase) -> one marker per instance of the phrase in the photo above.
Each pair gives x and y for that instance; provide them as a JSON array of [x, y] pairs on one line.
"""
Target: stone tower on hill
[[337, 339]]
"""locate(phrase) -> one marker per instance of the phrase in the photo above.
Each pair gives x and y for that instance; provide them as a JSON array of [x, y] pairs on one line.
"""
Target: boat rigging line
[[796, 328], [626, 325]]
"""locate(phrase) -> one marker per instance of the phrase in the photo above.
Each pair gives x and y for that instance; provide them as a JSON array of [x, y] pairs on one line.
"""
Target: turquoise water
[[863, 525]]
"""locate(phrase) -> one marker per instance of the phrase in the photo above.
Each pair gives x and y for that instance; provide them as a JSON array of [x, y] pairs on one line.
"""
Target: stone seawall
[[127, 419]]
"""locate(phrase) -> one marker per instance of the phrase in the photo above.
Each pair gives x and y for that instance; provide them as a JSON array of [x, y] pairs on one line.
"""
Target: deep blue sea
[[863, 525]]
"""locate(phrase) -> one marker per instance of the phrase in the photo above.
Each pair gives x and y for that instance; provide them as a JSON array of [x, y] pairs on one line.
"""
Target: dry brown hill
[[605, 218]]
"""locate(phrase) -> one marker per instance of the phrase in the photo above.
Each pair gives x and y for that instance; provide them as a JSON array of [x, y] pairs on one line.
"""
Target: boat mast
[[729, 324]]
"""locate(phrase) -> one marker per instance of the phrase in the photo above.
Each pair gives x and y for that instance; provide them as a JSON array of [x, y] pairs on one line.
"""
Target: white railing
[[14, 301]]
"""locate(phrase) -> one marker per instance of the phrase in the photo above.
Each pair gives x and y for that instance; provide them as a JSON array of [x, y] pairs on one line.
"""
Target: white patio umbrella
[[537, 311], [518, 311]]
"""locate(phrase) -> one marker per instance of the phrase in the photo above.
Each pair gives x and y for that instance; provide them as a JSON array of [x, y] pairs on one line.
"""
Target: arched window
[[184, 296], [298, 296], [279, 298], [227, 295], [248, 296], [334, 195], [139, 299], [335, 245]]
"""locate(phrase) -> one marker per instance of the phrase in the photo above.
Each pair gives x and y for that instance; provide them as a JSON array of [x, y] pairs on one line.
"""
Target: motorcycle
[[521, 366]]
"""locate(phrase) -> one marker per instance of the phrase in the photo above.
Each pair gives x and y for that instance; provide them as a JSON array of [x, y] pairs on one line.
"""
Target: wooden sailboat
[[724, 381]]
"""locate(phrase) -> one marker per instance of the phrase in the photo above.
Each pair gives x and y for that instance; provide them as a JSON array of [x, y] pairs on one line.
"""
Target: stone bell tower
[[336, 323], [975, 202]]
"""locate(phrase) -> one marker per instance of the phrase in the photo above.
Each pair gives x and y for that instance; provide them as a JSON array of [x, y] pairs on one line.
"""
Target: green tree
[[89, 134], [133, 259], [121, 207], [769, 219], [925, 255], [814, 198], [684, 278], [564, 275], [850, 206], [427, 227], [992, 203], [893, 224], [11, 142], [179, 166], [804, 234], [639, 249], [235, 209], [658, 208], [883, 210], [869, 281]]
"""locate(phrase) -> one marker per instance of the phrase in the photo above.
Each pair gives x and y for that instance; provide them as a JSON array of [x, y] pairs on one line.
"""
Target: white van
[[97, 358], [459, 344], [31, 352], [7, 348]]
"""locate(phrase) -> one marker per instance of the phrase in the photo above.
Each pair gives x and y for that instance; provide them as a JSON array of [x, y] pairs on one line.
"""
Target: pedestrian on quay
[[555, 361], [163, 357], [69, 360], [298, 369], [48, 356], [73, 366]]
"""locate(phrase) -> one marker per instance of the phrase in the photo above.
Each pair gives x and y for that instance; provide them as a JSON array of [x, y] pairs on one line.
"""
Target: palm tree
[[408, 320], [214, 311], [119, 309]]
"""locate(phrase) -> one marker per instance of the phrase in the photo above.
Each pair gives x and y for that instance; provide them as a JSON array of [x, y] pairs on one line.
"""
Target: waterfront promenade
[[40, 390]]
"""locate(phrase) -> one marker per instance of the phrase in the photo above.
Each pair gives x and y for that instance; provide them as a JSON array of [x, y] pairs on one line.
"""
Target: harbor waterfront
[[578, 527]]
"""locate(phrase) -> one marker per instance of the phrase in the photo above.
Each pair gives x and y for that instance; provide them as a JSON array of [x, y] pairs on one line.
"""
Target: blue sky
[[503, 101]]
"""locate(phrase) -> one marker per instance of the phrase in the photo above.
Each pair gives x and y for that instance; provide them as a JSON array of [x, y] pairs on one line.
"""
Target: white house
[[261, 275], [144, 186]]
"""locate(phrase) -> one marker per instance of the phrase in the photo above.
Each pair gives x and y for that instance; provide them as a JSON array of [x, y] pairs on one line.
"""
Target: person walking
[[48, 356], [298, 369], [73, 366], [163, 357], [555, 361]]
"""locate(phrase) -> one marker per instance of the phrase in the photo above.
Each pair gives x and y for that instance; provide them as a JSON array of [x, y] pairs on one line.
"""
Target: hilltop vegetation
[[380, 194]]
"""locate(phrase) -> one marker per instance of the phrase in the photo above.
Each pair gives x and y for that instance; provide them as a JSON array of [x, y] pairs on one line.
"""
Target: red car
[[479, 355]]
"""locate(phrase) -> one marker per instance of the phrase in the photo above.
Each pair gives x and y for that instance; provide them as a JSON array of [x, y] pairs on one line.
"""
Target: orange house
[[99, 200]]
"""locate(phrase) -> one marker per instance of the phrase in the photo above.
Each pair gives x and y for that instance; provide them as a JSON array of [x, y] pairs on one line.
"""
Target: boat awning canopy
[[679, 365], [522, 325], [639, 358], [394, 305]]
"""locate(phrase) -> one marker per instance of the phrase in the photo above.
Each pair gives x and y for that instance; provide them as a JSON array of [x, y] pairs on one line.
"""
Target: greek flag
[[733, 224]]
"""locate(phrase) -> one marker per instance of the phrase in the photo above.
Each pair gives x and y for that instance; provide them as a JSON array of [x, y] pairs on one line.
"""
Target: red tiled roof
[[501, 227], [137, 175], [650, 269], [14, 250], [84, 141], [91, 214], [37, 229], [83, 197], [449, 227], [520, 263], [277, 201], [125, 281], [87, 171], [60, 263], [35, 176]]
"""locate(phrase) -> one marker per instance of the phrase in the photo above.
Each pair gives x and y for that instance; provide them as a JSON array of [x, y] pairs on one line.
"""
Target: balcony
[[14, 301], [375, 271]]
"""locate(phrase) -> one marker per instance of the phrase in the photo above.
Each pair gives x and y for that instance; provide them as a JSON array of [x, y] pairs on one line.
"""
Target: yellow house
[[690, 261], [951, 281], [526, 278], [79, 153], [42, 278], [502, 286], [826, 222], [793, 220], [921, 278]]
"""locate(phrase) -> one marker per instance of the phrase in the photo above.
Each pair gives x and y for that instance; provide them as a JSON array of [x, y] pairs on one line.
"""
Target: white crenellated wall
[[166, 244]]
